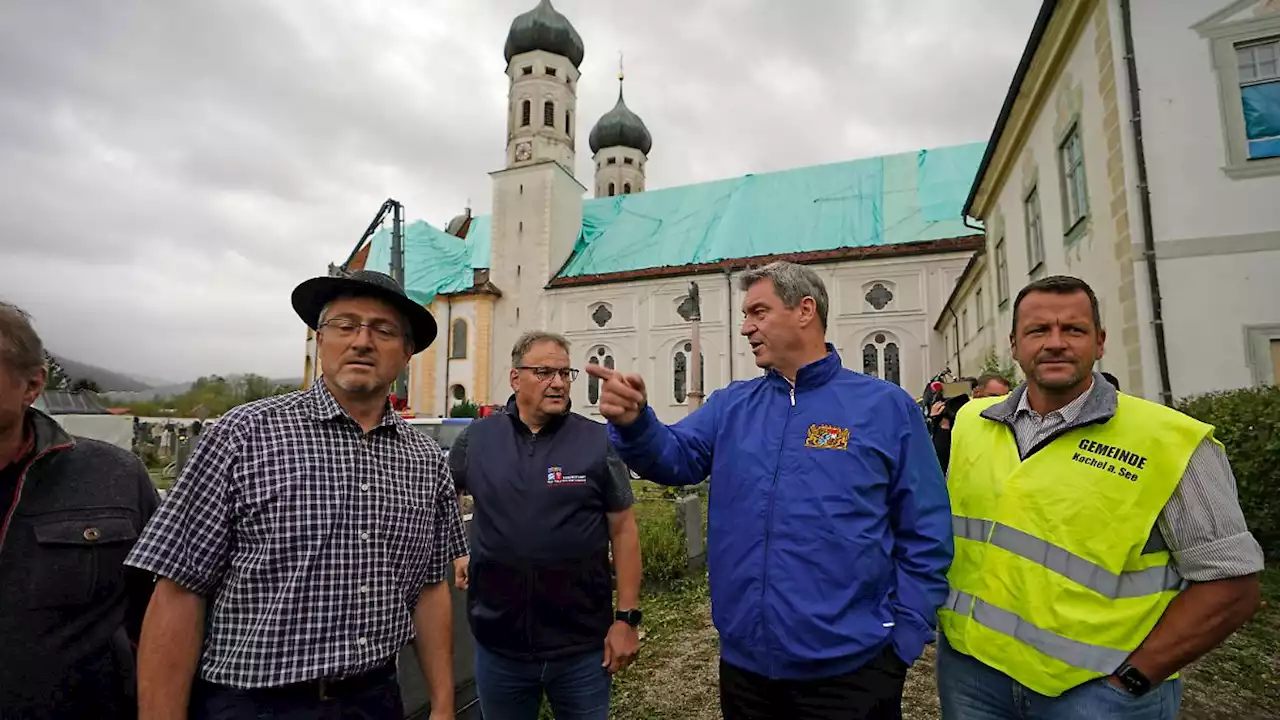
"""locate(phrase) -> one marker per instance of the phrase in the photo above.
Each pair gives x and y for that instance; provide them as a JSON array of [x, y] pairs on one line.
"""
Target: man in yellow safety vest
[[1099, 542]]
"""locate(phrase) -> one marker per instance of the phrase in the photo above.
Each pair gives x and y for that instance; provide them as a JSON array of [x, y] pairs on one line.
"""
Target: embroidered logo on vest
[[556, 476], [827, 437]]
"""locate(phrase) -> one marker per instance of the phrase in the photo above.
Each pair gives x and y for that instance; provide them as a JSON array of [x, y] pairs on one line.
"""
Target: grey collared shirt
[[1202, 524]]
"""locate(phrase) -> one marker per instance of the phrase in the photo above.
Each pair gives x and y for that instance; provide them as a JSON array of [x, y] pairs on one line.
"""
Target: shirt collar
[[1069, 412], [326, 407]]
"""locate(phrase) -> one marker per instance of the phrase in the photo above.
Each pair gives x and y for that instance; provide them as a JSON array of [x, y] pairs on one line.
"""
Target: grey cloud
[[171, 169]]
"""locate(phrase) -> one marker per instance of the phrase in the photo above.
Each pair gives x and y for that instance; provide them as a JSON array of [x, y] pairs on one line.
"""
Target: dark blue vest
[[541, 582]]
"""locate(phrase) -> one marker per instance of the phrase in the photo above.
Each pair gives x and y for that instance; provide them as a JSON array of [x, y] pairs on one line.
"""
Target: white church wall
[[460, 371], [644, 331]]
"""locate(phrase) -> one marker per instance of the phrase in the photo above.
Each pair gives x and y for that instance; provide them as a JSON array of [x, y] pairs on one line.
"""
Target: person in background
[[551, 497], [70, 510], [986, 385], [829, 530], [1100, 545], [309, 537]]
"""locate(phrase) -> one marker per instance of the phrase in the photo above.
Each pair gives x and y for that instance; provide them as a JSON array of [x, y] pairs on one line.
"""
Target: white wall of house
[[644, 332], [1216, 223], [968, 327], [1085, 248]]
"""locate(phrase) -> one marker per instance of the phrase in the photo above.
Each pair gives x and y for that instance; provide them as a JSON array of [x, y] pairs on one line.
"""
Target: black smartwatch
[[630, 617], [1133, 680]]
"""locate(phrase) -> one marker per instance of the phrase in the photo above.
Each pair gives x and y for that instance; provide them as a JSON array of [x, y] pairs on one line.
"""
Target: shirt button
[[363, 641], [364, 588], [364, 487], [364, 536]]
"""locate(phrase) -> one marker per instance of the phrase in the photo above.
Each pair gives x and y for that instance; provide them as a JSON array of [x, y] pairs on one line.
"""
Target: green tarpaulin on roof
[[904, 198], [910, 197], [435, 262]]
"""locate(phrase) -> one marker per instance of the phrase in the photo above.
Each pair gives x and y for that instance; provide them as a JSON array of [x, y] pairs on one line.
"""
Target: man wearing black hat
[[308, 538]]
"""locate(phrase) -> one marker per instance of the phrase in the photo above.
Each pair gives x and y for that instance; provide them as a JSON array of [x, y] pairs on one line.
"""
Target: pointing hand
[[622, 396]]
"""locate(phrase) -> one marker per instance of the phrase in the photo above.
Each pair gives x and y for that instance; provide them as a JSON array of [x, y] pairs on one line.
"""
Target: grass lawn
[[675, 675]]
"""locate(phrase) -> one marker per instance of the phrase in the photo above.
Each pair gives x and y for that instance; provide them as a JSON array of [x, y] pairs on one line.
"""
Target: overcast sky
[[172, 168]]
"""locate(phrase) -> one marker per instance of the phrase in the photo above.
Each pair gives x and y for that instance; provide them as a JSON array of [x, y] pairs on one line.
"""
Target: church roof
[[544, 28], [620, 127], [891, 205], [892, 200]]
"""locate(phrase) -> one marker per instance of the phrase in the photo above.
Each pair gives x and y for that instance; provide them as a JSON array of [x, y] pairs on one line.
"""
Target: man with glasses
[[309, 537], [551, 497]]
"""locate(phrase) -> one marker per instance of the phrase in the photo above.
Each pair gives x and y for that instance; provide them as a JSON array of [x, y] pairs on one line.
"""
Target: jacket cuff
[[637, 430], [910, 636]]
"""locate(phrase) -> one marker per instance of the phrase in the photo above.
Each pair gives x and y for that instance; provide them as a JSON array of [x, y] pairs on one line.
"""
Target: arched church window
[[526, 109], [870, 360], [892, 364], [599, 356], [882, 358], [568, 123], [549, 114], [626, 188], [611, 190], [458, 344], [680, 372]]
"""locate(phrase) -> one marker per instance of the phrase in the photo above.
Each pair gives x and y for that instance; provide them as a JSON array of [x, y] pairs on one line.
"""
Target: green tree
[[85, 385], [464, 409], [57, 377], [993, 364]]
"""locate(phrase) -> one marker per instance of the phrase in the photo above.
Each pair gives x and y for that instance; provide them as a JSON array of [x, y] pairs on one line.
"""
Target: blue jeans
[[972, 690], [577, 687]]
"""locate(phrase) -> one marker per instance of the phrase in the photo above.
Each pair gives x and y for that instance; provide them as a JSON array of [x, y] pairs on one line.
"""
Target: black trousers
[[872, 692], [375, 696]]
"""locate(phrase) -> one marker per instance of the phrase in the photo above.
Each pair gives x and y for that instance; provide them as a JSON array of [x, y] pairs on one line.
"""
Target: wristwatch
[[1133, 680], [630, 617]]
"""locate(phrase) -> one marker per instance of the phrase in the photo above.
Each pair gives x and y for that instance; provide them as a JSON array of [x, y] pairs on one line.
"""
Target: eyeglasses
[[546, 373], [345, 329]]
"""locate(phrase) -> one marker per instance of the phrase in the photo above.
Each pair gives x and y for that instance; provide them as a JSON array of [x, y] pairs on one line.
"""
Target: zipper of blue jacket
[[768, 523]]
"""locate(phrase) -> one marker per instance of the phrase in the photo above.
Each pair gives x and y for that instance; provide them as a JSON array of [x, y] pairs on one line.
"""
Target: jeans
[[972, 690], [872, 692], [577, 687]]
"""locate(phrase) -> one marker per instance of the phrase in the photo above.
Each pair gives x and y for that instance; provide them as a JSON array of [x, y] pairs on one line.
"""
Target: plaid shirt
[[310, 539]]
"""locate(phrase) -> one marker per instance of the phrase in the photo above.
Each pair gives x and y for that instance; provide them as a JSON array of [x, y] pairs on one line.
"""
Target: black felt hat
[[312, 295]]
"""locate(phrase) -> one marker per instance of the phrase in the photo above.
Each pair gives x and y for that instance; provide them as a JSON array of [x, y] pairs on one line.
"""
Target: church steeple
[[543, 52], [620, 143]]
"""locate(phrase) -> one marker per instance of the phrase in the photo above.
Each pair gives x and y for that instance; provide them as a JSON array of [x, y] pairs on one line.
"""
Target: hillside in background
[[107, 380]]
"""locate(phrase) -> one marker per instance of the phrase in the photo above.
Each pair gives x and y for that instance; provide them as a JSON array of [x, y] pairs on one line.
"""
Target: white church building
[[608, 261]]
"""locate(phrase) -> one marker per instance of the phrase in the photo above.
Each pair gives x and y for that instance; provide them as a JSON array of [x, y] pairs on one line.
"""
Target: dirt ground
[[675, 676]]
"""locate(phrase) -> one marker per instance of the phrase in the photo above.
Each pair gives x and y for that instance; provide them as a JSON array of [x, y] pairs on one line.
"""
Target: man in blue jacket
[[829, 530]]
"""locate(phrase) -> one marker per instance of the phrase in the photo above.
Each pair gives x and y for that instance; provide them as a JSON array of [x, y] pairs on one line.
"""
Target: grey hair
[[531, 338], [793, 283], [20, 348]]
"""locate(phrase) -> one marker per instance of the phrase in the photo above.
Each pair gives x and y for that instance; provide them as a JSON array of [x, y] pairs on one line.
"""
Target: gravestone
[[689, 516]]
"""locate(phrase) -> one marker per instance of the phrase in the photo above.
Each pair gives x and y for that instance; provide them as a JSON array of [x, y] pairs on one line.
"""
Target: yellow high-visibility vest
[[1052, 582]]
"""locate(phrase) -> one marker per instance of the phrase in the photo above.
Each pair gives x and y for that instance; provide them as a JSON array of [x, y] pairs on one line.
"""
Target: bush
[[464, 409], [662, 546], [1247, 423]]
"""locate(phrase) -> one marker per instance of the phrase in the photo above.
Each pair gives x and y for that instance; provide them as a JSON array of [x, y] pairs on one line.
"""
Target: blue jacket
[[829, 529]]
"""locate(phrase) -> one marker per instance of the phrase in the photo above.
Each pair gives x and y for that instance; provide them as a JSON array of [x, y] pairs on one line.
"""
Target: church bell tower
[[537, 202]]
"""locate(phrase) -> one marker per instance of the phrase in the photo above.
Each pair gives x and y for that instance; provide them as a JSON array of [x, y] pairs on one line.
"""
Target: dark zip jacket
[[70, 612], [541, 583]]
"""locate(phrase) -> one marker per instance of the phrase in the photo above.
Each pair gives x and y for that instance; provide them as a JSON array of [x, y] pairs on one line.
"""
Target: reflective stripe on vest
[[1133, 583], [1102, 660]]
